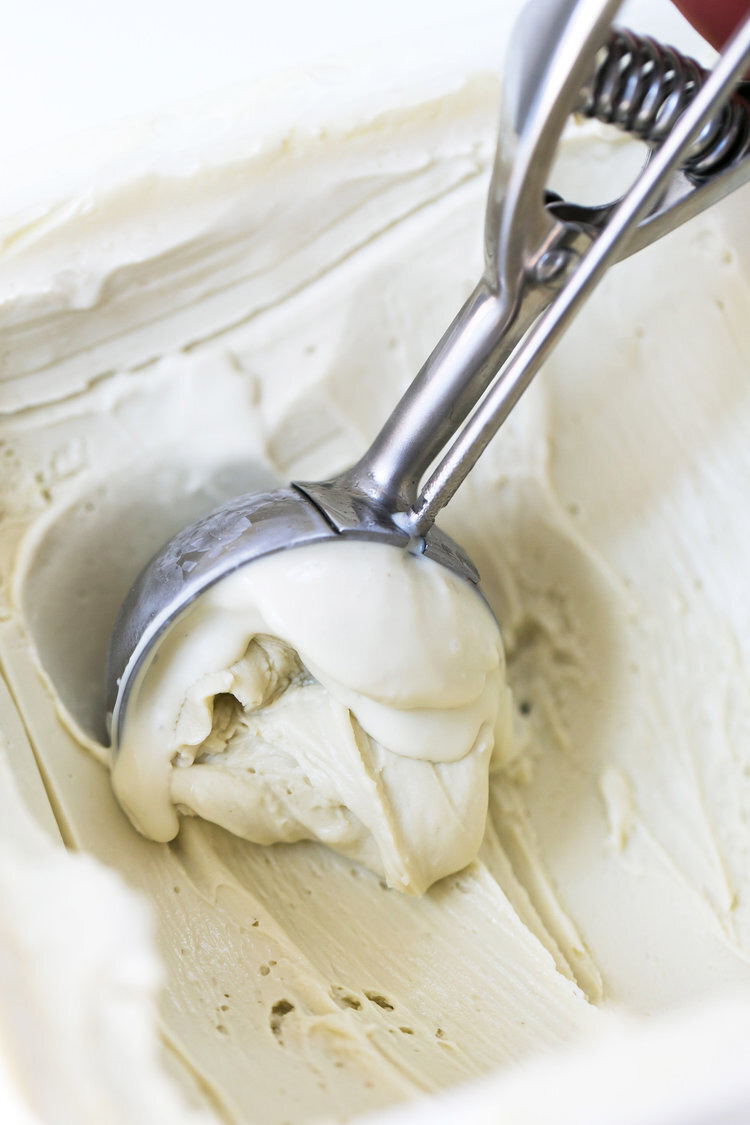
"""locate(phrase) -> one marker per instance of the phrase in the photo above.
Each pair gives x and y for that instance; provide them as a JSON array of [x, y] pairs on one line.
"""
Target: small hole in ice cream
[[280, 1009], [345, 999]]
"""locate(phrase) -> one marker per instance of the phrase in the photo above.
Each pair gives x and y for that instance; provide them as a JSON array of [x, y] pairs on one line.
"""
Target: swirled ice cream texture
[[346, 692], [166, 345]]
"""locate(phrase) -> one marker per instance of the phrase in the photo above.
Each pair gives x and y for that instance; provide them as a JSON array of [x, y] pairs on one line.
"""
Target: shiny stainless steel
[[514, 378], [534, 240], [643, 87], [246, 528], [538, 256], [528, 254]]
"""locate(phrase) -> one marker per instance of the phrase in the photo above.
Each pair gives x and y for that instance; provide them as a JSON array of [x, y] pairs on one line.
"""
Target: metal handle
[[534, 243], [465, 450], [522, 241]]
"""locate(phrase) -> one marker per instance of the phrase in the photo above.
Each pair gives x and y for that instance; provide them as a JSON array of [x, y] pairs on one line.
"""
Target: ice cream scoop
[[543, 257]]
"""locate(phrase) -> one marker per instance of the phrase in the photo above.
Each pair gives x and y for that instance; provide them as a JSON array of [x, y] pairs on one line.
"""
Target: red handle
[[715, 20]]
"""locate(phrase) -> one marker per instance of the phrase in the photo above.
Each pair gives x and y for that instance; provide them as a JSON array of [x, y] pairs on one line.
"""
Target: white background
[[70, 65]]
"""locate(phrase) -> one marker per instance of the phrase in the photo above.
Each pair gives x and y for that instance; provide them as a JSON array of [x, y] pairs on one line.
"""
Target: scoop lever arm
[[525, 361]]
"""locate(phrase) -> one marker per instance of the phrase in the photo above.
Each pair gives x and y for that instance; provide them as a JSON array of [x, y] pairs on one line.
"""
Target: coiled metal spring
[[643, 87]]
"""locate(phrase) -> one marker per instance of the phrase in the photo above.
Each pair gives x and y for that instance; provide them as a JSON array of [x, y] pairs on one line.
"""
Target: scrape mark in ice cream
[[381, 1001]]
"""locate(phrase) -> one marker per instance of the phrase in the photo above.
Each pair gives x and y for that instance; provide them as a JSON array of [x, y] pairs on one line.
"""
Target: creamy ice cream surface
[[194, 325], [346, 692]]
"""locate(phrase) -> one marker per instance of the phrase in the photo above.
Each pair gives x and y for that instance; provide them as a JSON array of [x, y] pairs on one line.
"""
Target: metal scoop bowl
[[543, 257]]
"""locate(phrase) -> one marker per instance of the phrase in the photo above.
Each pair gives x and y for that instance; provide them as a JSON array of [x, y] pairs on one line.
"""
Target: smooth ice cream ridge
[[345, 692]]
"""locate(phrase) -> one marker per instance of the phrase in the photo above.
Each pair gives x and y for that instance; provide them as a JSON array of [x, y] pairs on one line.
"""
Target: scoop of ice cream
[[346, 692]]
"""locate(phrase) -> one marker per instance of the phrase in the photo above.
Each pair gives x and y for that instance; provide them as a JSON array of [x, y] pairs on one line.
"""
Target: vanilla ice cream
[[346, 692], [193, 325]]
